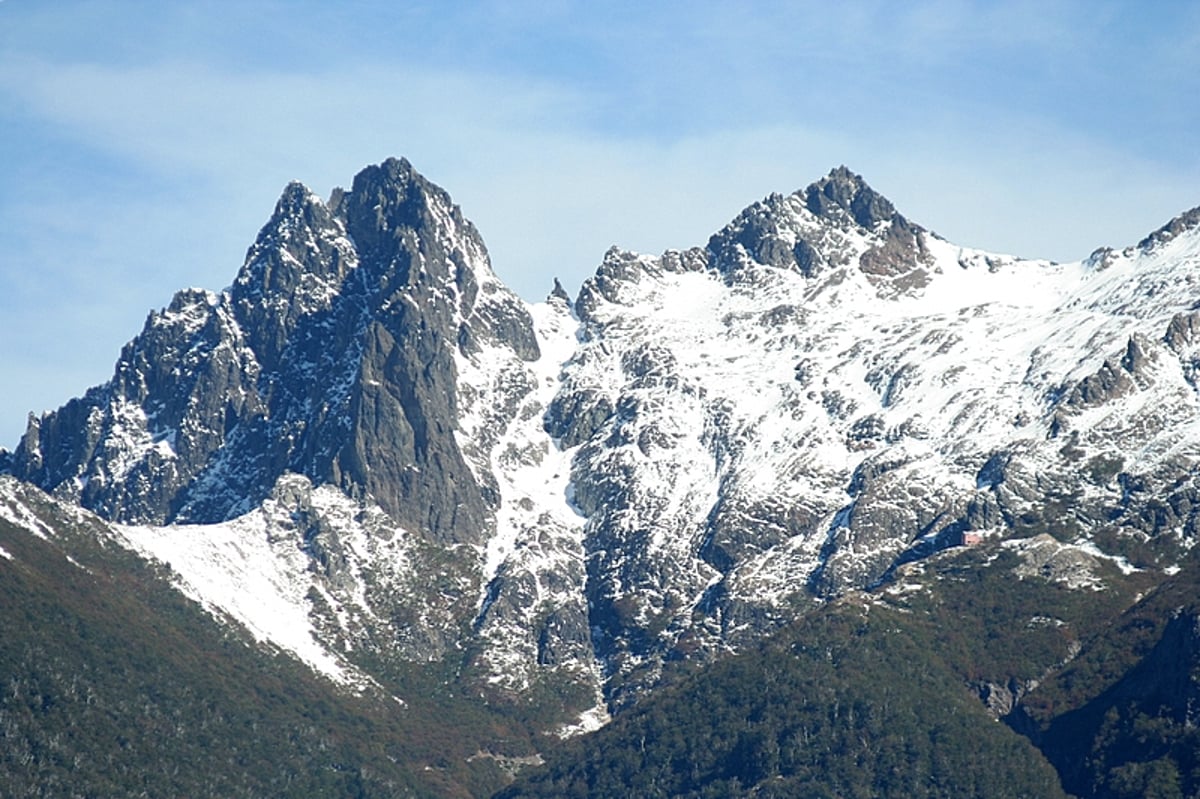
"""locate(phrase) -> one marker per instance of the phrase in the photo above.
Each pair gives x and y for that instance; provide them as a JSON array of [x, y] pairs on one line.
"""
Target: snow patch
[[1122, 564], [590, 720], [16, 512]]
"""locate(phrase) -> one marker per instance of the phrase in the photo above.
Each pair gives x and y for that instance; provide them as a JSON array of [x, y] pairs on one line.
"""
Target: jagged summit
[[846, 191], [288, 234], [332, 355], [838, 221]]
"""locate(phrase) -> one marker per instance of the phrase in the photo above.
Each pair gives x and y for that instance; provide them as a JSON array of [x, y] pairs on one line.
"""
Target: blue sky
[[142, 144]]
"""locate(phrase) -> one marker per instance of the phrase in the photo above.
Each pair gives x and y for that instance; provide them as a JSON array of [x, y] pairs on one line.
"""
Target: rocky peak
[[387, 208], [294, 269], [281, 255], [842, 191], [839, 221], [332, 355], [1187, 222]]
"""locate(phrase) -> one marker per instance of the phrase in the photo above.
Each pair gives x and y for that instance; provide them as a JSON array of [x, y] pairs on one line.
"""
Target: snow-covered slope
[[258, 570], [825, 390], [368, 448]]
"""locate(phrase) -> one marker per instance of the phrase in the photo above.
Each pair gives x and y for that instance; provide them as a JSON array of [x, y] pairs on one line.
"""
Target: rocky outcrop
[[1186, 222], [1116, 377]]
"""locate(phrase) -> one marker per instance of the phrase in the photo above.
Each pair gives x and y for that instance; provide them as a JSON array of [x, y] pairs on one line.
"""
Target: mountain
[[368, 453]]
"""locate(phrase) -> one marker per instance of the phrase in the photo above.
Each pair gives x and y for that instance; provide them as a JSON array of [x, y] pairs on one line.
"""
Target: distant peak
[[396, 178], [843, 174], [844, 190], [297, 208], [395, 170], [296, 198], [191, 298]]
